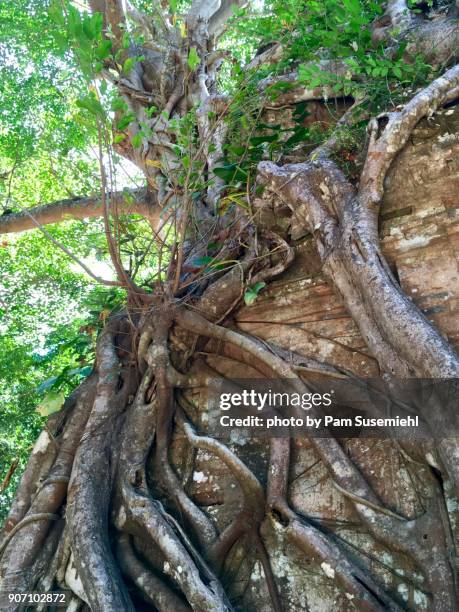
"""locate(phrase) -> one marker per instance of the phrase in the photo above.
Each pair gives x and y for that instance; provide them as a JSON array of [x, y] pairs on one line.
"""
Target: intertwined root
[[107, 492]]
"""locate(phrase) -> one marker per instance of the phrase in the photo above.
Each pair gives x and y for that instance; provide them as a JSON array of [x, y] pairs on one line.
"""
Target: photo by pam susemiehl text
[[316, 423]]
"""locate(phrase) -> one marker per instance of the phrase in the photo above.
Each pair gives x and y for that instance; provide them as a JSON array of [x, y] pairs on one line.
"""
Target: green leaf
[[46, 384], [136, 140], [97, 24], [236, 149], [252, 293], [193, 59], [92, 25], [125, 121], [128, 65], [126, 40], [103, 49], [87, 27], [230, 172], [300, 134], [203, 261], [62, 41], [118, 104], [85, 371], [51, 403], [257, 140], [55, 12], [91, 104], [74, 22]]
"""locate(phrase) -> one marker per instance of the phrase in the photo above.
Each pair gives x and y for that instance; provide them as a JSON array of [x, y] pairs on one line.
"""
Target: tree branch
[[112, 11], [215, 12], [386, 143], [79, 208]]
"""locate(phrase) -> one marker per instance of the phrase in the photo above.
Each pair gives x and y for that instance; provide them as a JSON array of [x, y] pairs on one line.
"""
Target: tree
[[104, 505]]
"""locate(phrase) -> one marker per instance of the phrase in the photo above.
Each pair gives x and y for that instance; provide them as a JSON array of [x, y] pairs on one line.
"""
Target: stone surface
[[420, 238], [301, 312]]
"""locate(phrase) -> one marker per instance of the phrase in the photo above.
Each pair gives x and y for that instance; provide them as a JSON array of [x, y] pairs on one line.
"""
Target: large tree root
[[155, 591], [91, 485], [345, 225], [106, 443]]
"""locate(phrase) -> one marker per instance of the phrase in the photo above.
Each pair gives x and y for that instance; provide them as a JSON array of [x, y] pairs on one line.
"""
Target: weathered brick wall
[[301, 312], [420, 238]]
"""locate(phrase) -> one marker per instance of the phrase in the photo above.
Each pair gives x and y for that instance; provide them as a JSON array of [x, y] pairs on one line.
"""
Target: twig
[[369, 504], [70, 254]]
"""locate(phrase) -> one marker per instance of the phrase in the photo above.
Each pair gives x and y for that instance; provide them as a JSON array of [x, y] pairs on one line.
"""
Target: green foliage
[[51, 403], [251, 293], [80, 39], [82, 33], [328, 44], [193, 59], [36, 93]]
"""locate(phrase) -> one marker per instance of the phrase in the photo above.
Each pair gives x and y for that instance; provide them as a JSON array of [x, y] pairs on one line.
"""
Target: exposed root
[[91, 487], [145, 518], [199, 522], [309, 539], [392, 532], [140, 515], [41, 516], [154, 590], [366, 502]]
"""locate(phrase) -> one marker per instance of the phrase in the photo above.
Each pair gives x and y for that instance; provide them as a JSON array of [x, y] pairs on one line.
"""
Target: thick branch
[[436, 39], [215, 12], [138, 202], [17, 567], [300, 92], [271, 55], [384, 147]]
